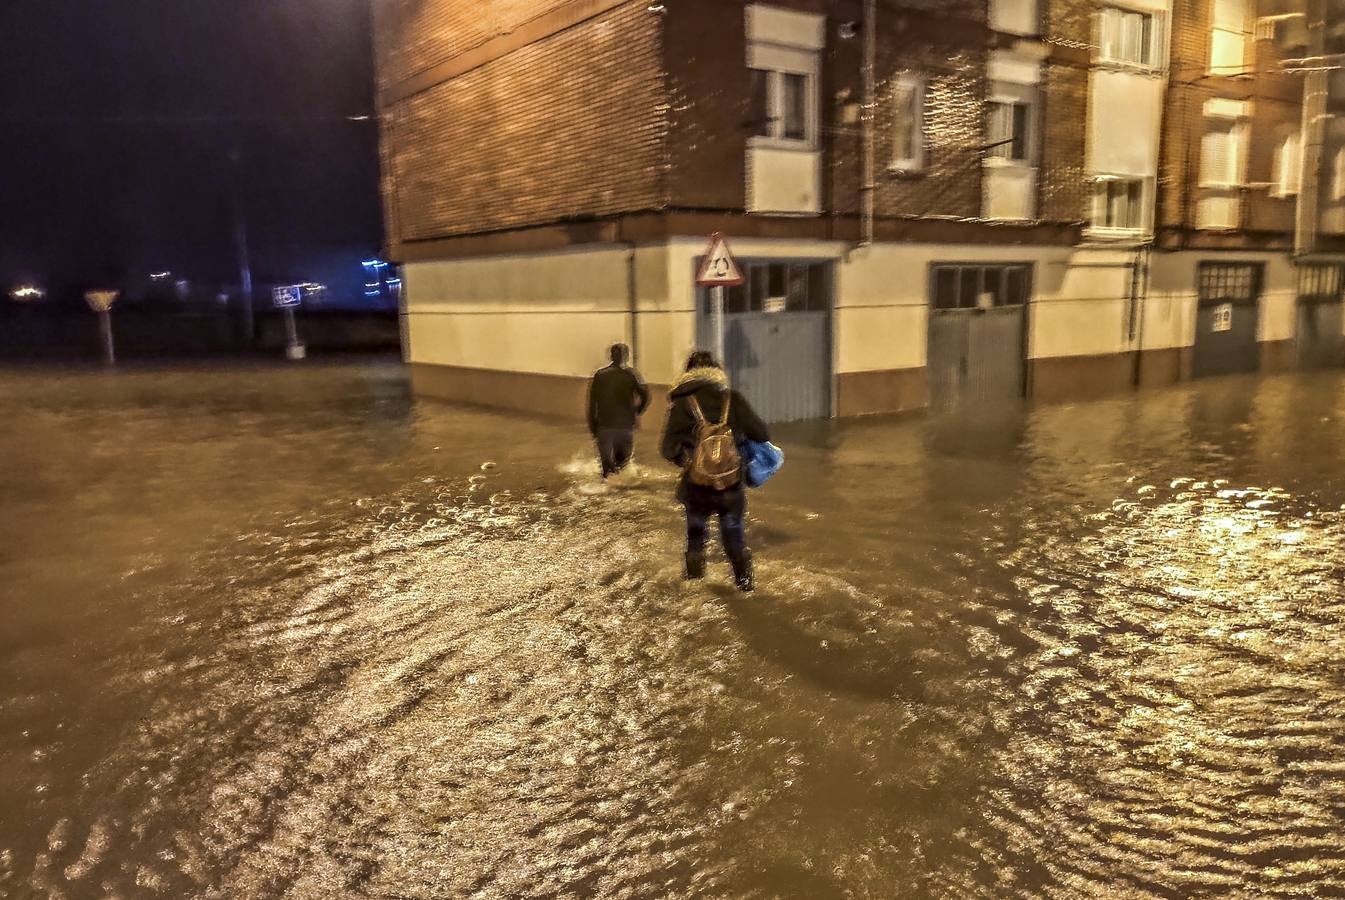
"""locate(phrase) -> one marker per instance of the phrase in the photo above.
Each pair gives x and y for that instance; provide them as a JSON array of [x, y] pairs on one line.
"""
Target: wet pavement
[[277, 633]]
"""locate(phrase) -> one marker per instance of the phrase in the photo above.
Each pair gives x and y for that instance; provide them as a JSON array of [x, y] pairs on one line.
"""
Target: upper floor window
[[1127, 36], [908, 123], [1221, 153], [1228, 37], [1118, 204], [781, 105], [1010, 134], [782, 56]]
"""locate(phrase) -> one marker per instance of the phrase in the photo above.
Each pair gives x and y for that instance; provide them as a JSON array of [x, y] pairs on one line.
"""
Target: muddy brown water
[[276, 633]]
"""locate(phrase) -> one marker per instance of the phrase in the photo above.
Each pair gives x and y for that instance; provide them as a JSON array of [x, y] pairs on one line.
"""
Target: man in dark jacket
[[617, 397], [705, 381]]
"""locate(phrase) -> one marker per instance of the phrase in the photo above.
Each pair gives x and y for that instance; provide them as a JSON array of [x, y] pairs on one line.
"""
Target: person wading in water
[[617, 397], [707, 420]]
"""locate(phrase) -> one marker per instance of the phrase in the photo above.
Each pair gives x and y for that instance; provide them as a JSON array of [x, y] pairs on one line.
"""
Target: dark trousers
[[731, 507], [615, 446]]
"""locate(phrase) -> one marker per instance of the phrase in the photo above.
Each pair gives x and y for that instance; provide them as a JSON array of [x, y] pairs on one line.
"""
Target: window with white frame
[[908, 122], [1287, 166], [1010, 135], [1228, 37], [1128, 36], [1221, 153], [782, 106], [1119, 203]]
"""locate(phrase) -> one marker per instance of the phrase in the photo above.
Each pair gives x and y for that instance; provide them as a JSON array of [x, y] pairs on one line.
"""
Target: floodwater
[[277, 633]]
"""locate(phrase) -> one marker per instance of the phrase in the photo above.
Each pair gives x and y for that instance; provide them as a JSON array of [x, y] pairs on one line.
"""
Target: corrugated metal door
[[1226, 319], [777, 338], [1321, 335], [1321, 321], [781, 363], [977, 330]]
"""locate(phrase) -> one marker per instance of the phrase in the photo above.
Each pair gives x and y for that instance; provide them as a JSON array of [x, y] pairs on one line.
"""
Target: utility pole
[[241, 248]]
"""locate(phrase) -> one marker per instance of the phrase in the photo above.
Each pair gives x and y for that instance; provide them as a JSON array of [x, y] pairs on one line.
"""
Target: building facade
[[934, 201]]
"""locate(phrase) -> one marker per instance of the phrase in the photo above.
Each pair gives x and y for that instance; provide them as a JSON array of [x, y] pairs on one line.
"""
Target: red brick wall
[[1275, 106], [569, 125], [413, 35], [708, 80]]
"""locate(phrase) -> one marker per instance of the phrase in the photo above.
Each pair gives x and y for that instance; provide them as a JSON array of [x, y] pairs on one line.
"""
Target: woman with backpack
[[707, 420]]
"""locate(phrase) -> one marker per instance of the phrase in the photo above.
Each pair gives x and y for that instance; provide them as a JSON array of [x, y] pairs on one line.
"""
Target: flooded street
[[277, 633]]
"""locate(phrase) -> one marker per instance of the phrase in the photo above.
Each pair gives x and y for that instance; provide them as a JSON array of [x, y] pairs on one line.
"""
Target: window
[[1221, 153], [1010, 133], [1228, 282], [759, 114], [1127, 36], [777, 287], [1228, 37], [1118, 204], [781, 105], [1321, 283], [1338, 175], [908, 123], [967, 286], [1286, 167]]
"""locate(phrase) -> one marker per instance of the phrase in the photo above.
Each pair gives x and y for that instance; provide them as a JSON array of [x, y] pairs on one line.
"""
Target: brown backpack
[[715, 463]]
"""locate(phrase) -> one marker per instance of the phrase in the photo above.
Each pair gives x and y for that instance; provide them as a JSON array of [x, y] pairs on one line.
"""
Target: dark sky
[[119, 116]]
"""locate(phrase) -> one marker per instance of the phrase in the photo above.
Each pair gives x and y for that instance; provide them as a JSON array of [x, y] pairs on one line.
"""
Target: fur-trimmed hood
[[693, 381]]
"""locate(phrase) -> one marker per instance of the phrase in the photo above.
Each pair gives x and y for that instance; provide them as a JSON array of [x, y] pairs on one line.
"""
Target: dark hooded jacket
[[709, 387], [617, 396]]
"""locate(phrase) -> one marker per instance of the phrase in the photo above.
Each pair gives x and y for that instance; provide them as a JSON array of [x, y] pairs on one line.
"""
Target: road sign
[[287, 297], [720, 269]]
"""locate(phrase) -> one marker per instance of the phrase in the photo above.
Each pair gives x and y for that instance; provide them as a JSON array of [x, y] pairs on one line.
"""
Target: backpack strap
[[728, 402], [696, 411]]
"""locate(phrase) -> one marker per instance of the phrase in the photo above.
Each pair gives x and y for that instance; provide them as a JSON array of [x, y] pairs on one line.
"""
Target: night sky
[[119, 117]]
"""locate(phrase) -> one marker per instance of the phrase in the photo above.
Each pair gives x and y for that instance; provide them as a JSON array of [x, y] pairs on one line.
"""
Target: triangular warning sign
[[720, 269]]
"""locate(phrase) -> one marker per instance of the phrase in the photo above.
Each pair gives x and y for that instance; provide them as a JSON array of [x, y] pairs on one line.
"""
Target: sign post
[[718, 271], [287, 298], [101, 303]]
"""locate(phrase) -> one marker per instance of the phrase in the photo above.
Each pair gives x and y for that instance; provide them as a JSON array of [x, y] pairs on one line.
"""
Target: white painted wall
[[556, 313], [552, 313]]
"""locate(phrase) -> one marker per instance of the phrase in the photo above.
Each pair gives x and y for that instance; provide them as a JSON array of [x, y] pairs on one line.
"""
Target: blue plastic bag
[[761, 460]]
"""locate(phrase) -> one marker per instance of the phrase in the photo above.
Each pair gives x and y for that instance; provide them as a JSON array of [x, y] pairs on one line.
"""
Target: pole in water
[[101, 303], [109, 347], [294, 350], [719, 324]]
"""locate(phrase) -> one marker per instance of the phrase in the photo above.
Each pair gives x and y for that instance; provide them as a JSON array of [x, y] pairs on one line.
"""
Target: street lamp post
[[101, 303]]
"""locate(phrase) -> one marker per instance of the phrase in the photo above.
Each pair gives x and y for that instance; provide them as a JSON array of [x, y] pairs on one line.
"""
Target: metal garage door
[[977, 333], [1226, 318], [777, 337], [1321, 321]]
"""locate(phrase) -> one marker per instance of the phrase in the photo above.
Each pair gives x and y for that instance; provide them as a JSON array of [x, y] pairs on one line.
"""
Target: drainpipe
[[1139, 292], [870, 110], [632, 296]]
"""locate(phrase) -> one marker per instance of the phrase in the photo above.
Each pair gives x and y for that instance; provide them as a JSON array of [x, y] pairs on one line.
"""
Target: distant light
[[393, 281], [159, 276], [359, 118], [27, 292], [372, 293]]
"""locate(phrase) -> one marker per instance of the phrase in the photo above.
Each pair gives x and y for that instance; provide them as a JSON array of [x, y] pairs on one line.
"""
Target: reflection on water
[[280, 634]]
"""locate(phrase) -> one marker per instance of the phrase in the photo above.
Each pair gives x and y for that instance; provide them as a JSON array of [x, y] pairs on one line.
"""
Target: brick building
[[933, 199]]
